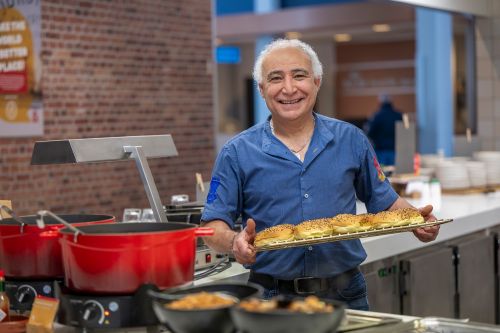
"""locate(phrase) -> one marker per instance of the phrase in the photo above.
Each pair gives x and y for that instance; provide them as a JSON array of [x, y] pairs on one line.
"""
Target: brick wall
[[115, 68]]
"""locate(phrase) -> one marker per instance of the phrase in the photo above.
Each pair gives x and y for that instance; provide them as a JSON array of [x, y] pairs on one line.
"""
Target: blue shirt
[[257, 176]]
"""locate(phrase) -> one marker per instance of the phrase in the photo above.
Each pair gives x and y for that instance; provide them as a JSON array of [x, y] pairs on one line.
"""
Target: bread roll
[[313, 228], [397, 218], [344, 223], [280, 232], [384, 219], [408, 216], [365, 222]]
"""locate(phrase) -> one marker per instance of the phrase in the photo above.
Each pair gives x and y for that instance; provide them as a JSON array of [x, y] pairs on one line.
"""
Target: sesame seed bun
[[280, 232], [408, 216], [313, 228], [384, 219], [344, 223], [365, 222]]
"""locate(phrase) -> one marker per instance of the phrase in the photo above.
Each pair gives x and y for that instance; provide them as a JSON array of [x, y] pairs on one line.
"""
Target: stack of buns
[[340, 224]]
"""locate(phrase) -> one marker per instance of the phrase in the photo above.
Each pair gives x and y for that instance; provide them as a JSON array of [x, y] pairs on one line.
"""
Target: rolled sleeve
[[224, 196]]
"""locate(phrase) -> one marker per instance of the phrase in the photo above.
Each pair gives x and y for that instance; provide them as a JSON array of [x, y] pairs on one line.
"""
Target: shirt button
[[310, 248], [306, 195]]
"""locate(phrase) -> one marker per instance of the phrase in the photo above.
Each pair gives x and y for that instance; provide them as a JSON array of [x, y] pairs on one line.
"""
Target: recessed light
[[342, 38], [293, 35], [381, 27]]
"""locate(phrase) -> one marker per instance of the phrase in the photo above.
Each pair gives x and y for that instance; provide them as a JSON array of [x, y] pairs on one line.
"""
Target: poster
[[21, 111]]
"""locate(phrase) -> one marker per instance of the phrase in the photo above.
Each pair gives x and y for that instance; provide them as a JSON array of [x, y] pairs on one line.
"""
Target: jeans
[[353, 293]]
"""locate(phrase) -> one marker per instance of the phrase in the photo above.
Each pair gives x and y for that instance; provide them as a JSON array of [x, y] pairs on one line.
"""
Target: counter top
[[470, 213]]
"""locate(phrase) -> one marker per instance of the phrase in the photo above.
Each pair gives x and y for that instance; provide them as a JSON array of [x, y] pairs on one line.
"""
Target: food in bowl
[[201, 301], [310, 304]]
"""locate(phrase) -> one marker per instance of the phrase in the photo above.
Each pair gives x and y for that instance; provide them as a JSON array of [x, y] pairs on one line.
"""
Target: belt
[[304, 285]]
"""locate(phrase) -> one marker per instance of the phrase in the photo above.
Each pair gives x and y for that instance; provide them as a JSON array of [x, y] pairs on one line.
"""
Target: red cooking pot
[[33, 253], [117, 258]]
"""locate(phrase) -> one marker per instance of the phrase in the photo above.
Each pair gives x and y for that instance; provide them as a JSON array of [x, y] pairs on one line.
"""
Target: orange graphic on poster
[[17, 72]]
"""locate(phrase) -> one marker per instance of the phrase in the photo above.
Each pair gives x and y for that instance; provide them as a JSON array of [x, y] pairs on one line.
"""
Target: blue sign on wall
[[227, 55]]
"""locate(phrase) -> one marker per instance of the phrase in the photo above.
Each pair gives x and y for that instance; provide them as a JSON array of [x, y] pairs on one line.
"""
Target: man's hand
[[427, 234], [243, 248]]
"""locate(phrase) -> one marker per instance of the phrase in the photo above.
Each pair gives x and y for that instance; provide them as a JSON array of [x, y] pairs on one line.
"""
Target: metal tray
[[352, 235], [358, 321], [446, 325]]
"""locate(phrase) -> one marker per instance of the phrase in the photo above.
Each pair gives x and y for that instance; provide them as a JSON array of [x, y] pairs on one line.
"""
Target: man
[[382, 130], [297, 166]]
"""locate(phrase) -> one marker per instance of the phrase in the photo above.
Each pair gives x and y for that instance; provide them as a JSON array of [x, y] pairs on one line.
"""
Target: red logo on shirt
[[380, 173]]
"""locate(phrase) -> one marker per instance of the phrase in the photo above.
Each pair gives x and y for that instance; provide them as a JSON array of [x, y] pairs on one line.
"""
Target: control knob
[[25, 294], [93, 312]]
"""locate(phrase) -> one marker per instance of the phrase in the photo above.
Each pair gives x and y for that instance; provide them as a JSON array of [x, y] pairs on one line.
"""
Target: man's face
[[288, 85]]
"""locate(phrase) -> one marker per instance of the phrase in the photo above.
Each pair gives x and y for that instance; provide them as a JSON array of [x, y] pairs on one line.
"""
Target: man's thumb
[[426, 210], [250, 228]]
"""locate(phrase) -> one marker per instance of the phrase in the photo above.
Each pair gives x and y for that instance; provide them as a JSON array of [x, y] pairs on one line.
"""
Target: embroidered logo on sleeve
[[212, 193], [380, 173]]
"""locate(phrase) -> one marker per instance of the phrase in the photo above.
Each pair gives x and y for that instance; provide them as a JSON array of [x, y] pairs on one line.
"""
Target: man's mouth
[[292, 101]]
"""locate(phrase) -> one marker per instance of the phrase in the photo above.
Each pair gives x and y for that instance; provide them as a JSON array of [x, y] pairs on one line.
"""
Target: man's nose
[[288, 85]]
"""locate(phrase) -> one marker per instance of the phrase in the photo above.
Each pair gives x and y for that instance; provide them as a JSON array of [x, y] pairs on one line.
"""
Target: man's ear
[[317, 81], [261, 89]]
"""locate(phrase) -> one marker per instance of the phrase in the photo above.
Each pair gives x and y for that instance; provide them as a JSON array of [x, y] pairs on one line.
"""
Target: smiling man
[[297, 166]]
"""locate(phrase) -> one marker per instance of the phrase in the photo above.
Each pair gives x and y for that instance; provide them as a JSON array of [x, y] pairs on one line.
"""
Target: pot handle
[[14, 217], [41, 223], [203, 231]]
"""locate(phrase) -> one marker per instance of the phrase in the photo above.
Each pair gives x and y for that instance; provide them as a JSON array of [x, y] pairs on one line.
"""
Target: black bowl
[[206, 320], [281, 320]]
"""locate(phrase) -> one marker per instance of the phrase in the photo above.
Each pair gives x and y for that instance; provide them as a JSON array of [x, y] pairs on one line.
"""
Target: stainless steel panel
[[382, 284], [476, 279], [406, 143], [101, 149], [427, 283]]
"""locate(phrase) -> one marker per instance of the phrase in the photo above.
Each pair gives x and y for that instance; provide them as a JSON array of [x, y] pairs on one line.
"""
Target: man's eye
[[274, 78], [300, 76]]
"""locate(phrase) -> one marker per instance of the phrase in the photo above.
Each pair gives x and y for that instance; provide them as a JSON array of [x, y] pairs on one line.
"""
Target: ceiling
[[320, 22]]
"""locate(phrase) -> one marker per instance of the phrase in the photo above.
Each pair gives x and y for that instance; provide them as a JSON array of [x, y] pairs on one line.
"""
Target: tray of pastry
[[341, 227]]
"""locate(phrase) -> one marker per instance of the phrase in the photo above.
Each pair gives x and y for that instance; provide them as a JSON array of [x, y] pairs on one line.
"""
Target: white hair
[[286, 43]]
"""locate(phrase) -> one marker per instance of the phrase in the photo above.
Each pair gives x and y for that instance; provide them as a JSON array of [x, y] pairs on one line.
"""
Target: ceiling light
[[293, 35], [342, 38], [381, 27]]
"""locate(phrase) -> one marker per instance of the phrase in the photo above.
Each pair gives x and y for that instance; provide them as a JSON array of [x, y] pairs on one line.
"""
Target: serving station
[[106, 274]]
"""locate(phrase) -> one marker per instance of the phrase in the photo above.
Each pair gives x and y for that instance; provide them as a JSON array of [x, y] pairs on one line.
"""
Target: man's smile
[[292, 101]]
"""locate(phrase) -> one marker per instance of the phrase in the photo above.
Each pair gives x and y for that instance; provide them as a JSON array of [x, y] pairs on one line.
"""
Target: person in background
[[382, 131], [297, 165]]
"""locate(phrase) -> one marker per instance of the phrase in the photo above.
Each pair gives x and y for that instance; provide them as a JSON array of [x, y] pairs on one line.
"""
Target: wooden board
[[8, 203], [470, 190]]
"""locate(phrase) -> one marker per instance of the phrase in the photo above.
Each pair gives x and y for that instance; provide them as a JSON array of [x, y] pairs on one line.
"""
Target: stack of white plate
[[431, 160], [491, 160], [477, 173], [452, 175], [457, 159]]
